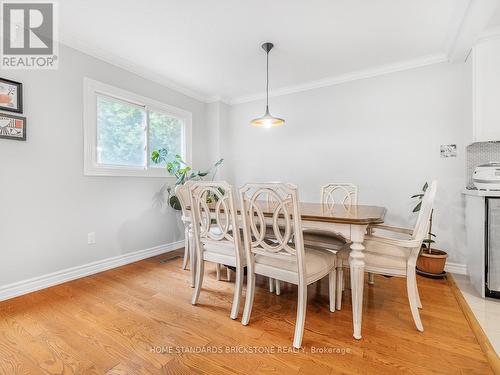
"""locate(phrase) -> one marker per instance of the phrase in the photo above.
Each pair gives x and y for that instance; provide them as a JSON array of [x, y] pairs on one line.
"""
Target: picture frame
[[12, 127], [448, 151], [11, 96]]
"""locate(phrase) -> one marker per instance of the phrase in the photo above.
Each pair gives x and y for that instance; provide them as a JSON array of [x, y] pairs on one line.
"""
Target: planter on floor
[[430, 263]]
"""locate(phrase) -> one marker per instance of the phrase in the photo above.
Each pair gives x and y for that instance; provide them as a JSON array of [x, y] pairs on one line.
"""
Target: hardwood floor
[[138, 319]]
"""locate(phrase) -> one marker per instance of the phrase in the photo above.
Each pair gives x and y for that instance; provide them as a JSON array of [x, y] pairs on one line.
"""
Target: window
[[121, 136], [121, 129]]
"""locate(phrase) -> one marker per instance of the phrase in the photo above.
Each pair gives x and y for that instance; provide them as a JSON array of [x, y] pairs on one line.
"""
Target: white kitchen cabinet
[[486, 90]]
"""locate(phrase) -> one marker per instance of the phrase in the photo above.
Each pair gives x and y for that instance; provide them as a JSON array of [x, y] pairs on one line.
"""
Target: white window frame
[[91, 89]]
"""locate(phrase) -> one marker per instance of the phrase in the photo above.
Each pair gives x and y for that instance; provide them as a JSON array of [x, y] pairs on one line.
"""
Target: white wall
[[216, 122], [47, 206], [381, 133]]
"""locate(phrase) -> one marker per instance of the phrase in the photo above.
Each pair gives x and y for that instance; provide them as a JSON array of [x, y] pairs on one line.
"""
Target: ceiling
[[210, 49], [494, 22]]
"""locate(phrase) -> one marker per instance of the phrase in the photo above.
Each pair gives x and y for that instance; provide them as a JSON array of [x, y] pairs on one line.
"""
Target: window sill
[[107, 171]]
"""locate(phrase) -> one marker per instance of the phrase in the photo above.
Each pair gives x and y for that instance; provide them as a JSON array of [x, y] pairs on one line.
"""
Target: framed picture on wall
[[11, 96], [448, 151], [12, 127]]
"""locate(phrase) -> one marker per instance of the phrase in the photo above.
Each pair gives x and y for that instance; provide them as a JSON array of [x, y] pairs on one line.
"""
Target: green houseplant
[[178, 168], [431, 261]]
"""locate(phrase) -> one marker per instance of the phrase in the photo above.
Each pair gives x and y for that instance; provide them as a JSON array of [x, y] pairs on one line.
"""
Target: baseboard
[[460, 269], [41, 282]]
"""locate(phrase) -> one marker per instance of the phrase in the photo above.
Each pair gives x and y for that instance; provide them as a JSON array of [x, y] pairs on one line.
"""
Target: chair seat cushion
[[393, 265], [219, 251], [379, 247], [324, 239], [318, 263], [220, 247], [382, 256]]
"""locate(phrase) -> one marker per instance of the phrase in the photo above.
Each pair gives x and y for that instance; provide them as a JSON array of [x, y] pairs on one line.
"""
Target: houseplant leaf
[[181, 170], [174, 202], [155, 156]]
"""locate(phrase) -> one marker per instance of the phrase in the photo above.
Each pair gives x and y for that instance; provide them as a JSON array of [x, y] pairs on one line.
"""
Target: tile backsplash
[[481, 153]]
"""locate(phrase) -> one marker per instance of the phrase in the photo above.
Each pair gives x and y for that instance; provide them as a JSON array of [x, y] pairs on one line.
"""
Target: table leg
[[357, 266]]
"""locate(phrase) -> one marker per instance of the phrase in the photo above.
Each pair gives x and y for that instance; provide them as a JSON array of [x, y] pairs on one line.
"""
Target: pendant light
[[267, 120]]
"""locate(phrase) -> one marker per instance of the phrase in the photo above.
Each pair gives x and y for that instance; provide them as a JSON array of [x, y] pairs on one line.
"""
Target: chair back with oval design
[[274, 205], [214, 215], [339, 193]]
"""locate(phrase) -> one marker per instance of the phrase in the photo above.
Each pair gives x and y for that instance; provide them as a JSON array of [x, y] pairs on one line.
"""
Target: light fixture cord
[[267, 80]]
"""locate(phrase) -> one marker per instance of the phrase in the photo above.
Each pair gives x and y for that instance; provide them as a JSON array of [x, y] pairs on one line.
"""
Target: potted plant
[[430, 261], [181, 171]]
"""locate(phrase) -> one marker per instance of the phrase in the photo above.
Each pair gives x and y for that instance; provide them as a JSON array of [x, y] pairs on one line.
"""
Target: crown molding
[[474, 17], [348, 77], [464, 31], [150, 75], [218, 99], [467, 20], [141, 71], [456, 28], [492, 33]]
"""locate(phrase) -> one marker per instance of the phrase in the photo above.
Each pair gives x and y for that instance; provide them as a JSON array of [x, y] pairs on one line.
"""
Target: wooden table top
[[338, 213], [354, 214]]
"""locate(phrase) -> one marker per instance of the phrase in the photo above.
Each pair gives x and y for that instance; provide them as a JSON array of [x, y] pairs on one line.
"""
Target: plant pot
[[432, 263]]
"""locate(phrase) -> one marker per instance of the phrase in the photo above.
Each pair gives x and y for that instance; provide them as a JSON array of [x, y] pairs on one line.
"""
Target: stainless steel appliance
[[492, 261], [487, 176]]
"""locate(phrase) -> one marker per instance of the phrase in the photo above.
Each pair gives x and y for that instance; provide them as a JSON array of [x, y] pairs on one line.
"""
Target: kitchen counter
[[481, 193]]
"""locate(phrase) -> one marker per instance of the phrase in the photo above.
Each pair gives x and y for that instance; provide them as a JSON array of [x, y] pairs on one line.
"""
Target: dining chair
[[274, 284], [339, 193], [216, 234], [284, 257], [182, 194], [393, 251], [345, 194]]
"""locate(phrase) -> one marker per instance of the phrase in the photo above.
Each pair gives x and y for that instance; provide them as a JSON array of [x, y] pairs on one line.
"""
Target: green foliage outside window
[[120, 132]]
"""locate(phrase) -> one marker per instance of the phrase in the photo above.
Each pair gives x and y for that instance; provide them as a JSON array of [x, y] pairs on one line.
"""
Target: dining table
[[351, 222]]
